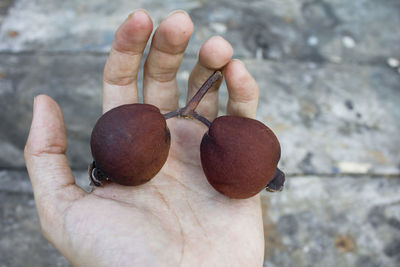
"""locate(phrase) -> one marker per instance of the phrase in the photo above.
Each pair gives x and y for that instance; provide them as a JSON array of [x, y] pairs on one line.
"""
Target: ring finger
[[215, 53]]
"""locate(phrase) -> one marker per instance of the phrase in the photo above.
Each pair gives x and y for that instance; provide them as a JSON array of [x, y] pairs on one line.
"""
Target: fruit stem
[[201, 119], [194, 102], [172, 114], [188, 110]]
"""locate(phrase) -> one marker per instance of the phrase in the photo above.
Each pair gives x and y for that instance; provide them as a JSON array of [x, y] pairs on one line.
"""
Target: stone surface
[[345, 221], [21, 241], [329, 118], [4, 5], [332, 118], [356, 31]]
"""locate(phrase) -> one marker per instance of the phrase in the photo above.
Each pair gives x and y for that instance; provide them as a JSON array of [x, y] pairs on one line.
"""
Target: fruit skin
[[130, 143], [239, 156]]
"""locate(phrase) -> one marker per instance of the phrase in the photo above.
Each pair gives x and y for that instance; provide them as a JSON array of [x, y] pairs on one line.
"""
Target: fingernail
[[177, 11], [34, 107], [34, 103], [138, 11], [239, 61]]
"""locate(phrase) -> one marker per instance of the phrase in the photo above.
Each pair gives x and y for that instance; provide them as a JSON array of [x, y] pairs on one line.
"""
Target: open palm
[[176, 219]]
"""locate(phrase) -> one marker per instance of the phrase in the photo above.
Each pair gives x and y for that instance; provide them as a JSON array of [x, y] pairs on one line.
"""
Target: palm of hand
[[176, 219]]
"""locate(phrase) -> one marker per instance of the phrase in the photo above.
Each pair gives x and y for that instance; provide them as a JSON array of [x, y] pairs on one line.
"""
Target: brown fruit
[[239, 156], [130, 144]]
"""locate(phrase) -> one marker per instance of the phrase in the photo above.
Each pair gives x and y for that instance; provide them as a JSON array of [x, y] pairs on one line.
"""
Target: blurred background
[[329, 77]]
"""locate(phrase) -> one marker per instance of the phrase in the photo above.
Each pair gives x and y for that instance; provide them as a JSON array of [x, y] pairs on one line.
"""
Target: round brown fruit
[[239, 156], [130, 143]]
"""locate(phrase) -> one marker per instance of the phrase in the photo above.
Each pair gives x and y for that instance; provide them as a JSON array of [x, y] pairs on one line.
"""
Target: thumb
[[53, 183]]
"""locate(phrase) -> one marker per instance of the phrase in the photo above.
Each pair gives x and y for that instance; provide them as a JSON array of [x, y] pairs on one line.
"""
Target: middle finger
[[165, 56]]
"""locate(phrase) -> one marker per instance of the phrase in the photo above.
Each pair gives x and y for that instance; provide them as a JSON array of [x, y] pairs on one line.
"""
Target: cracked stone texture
[[316, 110], [345, 221], [326, 88], [336, 30], [21, 241]]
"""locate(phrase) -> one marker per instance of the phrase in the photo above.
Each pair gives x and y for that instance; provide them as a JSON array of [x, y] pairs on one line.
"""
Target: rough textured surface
[[329, 81], [345, 221], [333, 30], [332, 118], [21, 241], [4, 5], [325, 115]]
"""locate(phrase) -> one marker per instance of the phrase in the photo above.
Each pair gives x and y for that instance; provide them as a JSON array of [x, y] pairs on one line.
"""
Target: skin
[[176, 219]]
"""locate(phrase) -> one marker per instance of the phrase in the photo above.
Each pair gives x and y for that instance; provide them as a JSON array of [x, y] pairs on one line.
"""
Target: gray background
[[329, 82]]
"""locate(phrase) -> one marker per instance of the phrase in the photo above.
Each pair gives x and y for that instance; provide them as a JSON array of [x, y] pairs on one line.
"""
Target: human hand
[[176, 219]]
